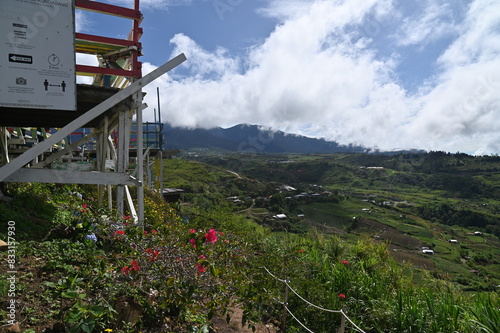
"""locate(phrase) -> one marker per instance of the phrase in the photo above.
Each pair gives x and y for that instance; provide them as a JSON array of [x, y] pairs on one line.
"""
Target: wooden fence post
[[342, 320]]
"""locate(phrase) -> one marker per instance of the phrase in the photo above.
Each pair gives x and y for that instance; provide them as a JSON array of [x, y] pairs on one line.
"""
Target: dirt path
[[234, 173]]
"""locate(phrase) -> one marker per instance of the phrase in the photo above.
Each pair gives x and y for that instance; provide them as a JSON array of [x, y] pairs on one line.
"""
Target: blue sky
[[387, 74]]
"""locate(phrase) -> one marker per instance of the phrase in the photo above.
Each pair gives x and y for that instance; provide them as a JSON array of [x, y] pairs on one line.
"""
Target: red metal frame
[[107, 40], [133, 14], [105, 8]]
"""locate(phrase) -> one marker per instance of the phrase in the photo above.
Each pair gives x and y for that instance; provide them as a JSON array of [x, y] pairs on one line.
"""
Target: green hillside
[[409, 201], [352, 239]]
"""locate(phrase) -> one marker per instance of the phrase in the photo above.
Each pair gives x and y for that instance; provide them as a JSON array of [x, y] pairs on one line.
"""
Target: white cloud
[[461, 108], [312, 77], [205, 64], [82, 21], [480, 36], [434, 22]]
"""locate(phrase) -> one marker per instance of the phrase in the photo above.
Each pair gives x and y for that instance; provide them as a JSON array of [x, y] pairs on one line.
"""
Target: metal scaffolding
[[108, 106]]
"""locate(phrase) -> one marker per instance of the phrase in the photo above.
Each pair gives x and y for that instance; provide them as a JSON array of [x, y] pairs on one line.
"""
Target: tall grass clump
[[378, 294]]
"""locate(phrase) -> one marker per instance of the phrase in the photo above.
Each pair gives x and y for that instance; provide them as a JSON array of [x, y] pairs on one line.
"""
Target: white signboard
[[37, 54]]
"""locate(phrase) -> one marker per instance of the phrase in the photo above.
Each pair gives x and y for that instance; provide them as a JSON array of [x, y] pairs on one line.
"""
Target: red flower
[[345, 262], [302, 250], [342, 296], [201, 268], [193, 242], [153, 253], [119, 232], [84, 205], [192, 231], [211, 236], [135, 266], [202, 256], [126, 217], [145, 232], [82, 210], [154, 231]]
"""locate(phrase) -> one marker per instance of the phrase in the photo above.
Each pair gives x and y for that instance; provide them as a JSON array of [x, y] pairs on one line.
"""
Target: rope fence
[[286, 309]]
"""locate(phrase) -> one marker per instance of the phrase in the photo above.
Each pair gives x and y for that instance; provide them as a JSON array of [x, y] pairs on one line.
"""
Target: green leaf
[[214, 271], [170, 281], [88, 325], [97, 310], [73, 317], [70, 294], [50, 284]]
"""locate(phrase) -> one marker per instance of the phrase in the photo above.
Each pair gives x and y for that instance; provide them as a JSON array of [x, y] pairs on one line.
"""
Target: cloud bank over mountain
[[378, 73]]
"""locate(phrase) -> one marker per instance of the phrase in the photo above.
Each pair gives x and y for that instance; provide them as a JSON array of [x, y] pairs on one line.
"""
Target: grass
[[331, 214], [385, 290]]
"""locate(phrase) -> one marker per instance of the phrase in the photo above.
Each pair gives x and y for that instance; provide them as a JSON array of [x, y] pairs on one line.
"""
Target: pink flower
[[202, 256], [126, 217], [193, 242], [85, 205], [211, 236], [345, 262], [342, 296], [192, 231], [145, 232], [83, 210]]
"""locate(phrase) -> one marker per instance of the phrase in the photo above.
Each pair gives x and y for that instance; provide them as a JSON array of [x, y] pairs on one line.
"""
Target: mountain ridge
[[251, 139]]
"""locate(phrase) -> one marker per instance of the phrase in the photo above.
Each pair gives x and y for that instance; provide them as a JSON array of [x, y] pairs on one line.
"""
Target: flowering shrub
[[182, 267], [133, 267], [211, 236]]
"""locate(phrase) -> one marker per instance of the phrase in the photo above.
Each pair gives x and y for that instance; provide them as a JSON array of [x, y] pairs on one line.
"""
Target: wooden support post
[[140, 159], [121, 160], [161, 171], [130, 204], [342, 320], [102, 148], [284, 314], [3, 145]]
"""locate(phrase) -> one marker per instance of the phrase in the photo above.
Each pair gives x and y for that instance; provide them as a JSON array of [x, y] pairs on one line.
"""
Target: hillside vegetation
[[352, 239]]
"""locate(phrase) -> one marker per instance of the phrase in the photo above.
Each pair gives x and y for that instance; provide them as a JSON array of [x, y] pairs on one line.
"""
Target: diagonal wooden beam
[[36, 150], [71, 177]]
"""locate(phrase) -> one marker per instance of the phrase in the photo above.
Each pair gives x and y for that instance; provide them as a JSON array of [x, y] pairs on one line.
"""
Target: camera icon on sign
[[21, 81]]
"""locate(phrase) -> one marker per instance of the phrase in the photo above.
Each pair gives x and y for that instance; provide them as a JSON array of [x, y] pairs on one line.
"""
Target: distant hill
[[250, 138]]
